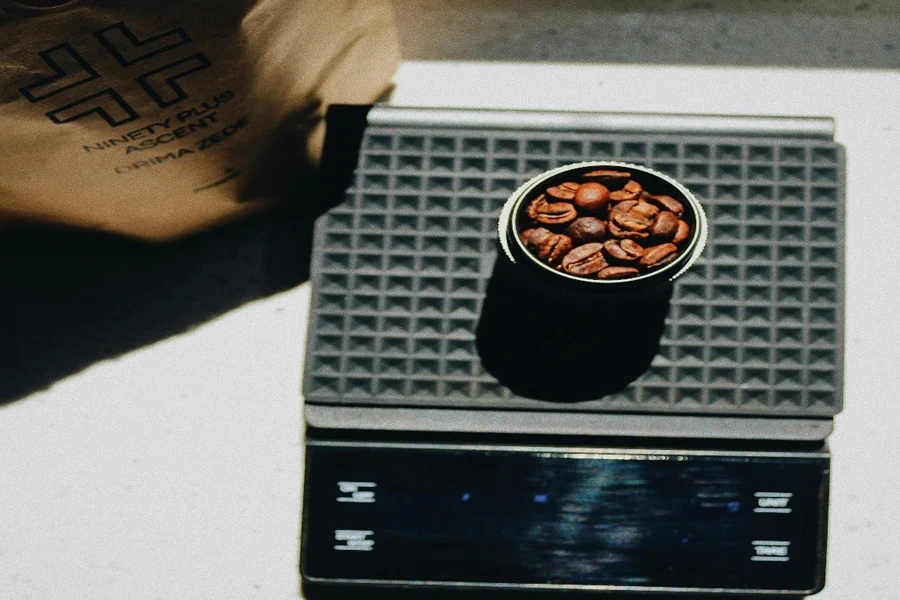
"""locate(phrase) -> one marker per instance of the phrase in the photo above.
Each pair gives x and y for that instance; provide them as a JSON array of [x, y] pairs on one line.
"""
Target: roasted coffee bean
[[644, 209], [525, 235], [632, 222], [631, 191], [606, 175], [656, 256], [564, 191], [683, 232], [623, 234], [664, 227], [586, 229], [585, 260], [621, 208], [591, 196], [557, 213], [532, 209], [536, 235], [668, 203], [551, 213], [549, 246], [623, 251], [618, 273], [632, 247]]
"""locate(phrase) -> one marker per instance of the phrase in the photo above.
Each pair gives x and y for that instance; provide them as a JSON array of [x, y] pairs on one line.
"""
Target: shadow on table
[[72, 298]]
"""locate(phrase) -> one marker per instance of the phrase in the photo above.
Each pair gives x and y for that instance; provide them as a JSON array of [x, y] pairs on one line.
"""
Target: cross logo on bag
[[70, 70]]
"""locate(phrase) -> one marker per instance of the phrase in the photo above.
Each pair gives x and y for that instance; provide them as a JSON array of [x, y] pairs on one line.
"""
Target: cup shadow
[[566, 347]]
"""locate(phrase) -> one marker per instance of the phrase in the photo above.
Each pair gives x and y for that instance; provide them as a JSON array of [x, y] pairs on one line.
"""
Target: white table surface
[[174, 471]]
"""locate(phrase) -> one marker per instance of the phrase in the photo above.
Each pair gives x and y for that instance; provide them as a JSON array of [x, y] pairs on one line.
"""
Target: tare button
[[770, 551], [773, 502]]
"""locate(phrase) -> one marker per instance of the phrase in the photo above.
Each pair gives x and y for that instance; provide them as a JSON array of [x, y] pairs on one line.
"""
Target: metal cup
[[552, 336], [513, 220]]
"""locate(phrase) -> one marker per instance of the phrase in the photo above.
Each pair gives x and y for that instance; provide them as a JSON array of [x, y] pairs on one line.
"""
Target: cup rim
[[511, 209]]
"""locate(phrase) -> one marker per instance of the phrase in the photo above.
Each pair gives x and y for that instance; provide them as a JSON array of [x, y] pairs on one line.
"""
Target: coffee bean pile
[[604, 226]]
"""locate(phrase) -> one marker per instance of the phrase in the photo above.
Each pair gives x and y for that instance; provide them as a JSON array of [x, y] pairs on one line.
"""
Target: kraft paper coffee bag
[[157, 119]]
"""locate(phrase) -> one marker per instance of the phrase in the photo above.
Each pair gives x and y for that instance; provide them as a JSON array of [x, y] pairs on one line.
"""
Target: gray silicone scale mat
[[753, 342]]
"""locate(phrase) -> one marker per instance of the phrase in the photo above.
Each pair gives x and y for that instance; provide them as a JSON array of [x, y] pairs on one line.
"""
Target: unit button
[[773, 502], [770, 551]]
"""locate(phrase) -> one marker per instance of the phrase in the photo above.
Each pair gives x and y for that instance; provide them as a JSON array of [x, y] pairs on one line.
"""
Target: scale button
[[354, 540], [770, 551], [361, 492], [773, 502]]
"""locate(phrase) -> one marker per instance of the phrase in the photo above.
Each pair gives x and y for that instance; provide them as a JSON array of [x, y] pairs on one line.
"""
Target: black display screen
[[676, 521]]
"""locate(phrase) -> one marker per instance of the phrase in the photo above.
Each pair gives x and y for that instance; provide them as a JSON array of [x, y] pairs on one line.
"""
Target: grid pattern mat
[[400, 270]]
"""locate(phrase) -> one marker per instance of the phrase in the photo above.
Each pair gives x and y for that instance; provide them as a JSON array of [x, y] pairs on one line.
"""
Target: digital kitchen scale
[[707, 474]]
